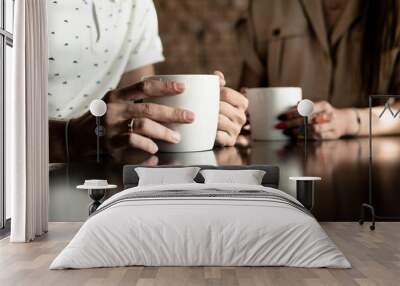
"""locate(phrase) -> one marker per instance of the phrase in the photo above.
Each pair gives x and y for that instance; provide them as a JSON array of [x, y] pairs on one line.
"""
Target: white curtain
[[27, 123]]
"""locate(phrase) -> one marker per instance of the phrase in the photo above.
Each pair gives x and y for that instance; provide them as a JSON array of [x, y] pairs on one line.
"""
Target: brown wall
[[198, 36]]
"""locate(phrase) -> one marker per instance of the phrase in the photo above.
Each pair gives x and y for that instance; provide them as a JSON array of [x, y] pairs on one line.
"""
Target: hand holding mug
[[265, 105], [132, 123], [220, 112], [146, 119], [232, 114], [326, 122]]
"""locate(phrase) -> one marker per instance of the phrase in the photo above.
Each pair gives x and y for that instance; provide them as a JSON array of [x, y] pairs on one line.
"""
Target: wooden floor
[[375, 257]]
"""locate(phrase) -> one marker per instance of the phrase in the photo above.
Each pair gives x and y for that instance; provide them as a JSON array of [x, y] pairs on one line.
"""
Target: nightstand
[[305, 187], [96, 190]]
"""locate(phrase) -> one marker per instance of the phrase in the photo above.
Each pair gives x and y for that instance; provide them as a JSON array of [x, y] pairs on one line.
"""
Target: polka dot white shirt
[[91, 44]]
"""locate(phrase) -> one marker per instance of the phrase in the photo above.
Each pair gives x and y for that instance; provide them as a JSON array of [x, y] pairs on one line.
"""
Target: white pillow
[[164, 176], [248, 177]]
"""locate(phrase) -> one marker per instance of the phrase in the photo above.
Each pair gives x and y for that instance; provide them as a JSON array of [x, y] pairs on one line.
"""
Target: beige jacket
[[285, 43]]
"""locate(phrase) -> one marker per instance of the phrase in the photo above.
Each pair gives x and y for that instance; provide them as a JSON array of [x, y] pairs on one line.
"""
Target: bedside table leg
[[305, 193], [362, 219], [96, 196], [93, 207]]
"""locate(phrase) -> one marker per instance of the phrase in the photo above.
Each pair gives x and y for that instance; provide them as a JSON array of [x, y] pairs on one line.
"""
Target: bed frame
[[271, 177]]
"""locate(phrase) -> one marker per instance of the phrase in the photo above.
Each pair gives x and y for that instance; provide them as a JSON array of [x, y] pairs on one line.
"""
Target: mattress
[[201, 225]]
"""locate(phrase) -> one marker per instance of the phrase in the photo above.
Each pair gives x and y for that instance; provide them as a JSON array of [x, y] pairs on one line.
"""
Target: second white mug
[[265, 105]]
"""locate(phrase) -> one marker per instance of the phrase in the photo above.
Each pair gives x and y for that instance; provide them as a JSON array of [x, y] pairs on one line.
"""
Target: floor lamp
[[305, 185], [98, 108], [369, 206]]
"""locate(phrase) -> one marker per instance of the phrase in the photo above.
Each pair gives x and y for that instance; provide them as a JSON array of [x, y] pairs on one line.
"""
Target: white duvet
[[201, 231]]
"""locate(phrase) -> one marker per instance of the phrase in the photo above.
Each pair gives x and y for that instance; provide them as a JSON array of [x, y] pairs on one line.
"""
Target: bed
[[201, 224]]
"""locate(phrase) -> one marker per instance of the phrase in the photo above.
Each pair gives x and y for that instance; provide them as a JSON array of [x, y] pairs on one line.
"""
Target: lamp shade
[[98, 107], [305, 107]]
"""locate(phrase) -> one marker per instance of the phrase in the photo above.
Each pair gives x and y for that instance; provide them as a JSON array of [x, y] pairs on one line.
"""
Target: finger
[[120, 112], [150, 88], [222, 80], [234, 114], [224, 139], [154, 130], [132, 140], [143, 143], [224, 124], [321, 128], [157, 112], [162, 87], [235, 98]]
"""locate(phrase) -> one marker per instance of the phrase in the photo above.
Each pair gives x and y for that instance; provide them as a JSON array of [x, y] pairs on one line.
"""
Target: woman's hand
[[326, 122], [146, 118], [232, 114]]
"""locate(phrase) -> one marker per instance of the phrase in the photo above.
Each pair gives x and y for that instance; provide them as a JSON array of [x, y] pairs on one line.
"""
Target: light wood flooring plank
[[375, 257]]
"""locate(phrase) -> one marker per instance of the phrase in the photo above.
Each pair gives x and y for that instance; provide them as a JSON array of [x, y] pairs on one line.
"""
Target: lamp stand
[[369, 206], [305, 137], [99, 131]]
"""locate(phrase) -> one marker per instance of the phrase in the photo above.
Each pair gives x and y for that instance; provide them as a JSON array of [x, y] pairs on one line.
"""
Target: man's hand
[[232, 114], [123, 110], [146, 118]]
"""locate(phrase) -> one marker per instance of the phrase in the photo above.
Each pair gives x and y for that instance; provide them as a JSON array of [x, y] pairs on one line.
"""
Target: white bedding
[[188, 231]]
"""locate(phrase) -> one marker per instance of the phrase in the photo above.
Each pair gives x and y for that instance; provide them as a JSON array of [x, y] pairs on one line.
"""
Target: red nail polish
[[280, 125]]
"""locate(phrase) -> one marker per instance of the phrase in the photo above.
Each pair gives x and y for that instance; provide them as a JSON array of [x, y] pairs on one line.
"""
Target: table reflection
[[342, 164]]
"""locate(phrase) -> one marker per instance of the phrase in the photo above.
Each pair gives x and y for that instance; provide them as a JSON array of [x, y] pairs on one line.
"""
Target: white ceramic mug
[[265, 105], [201, 96]]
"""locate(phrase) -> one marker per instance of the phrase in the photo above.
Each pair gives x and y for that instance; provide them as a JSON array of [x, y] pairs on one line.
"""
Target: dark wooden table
[[342, 164]]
